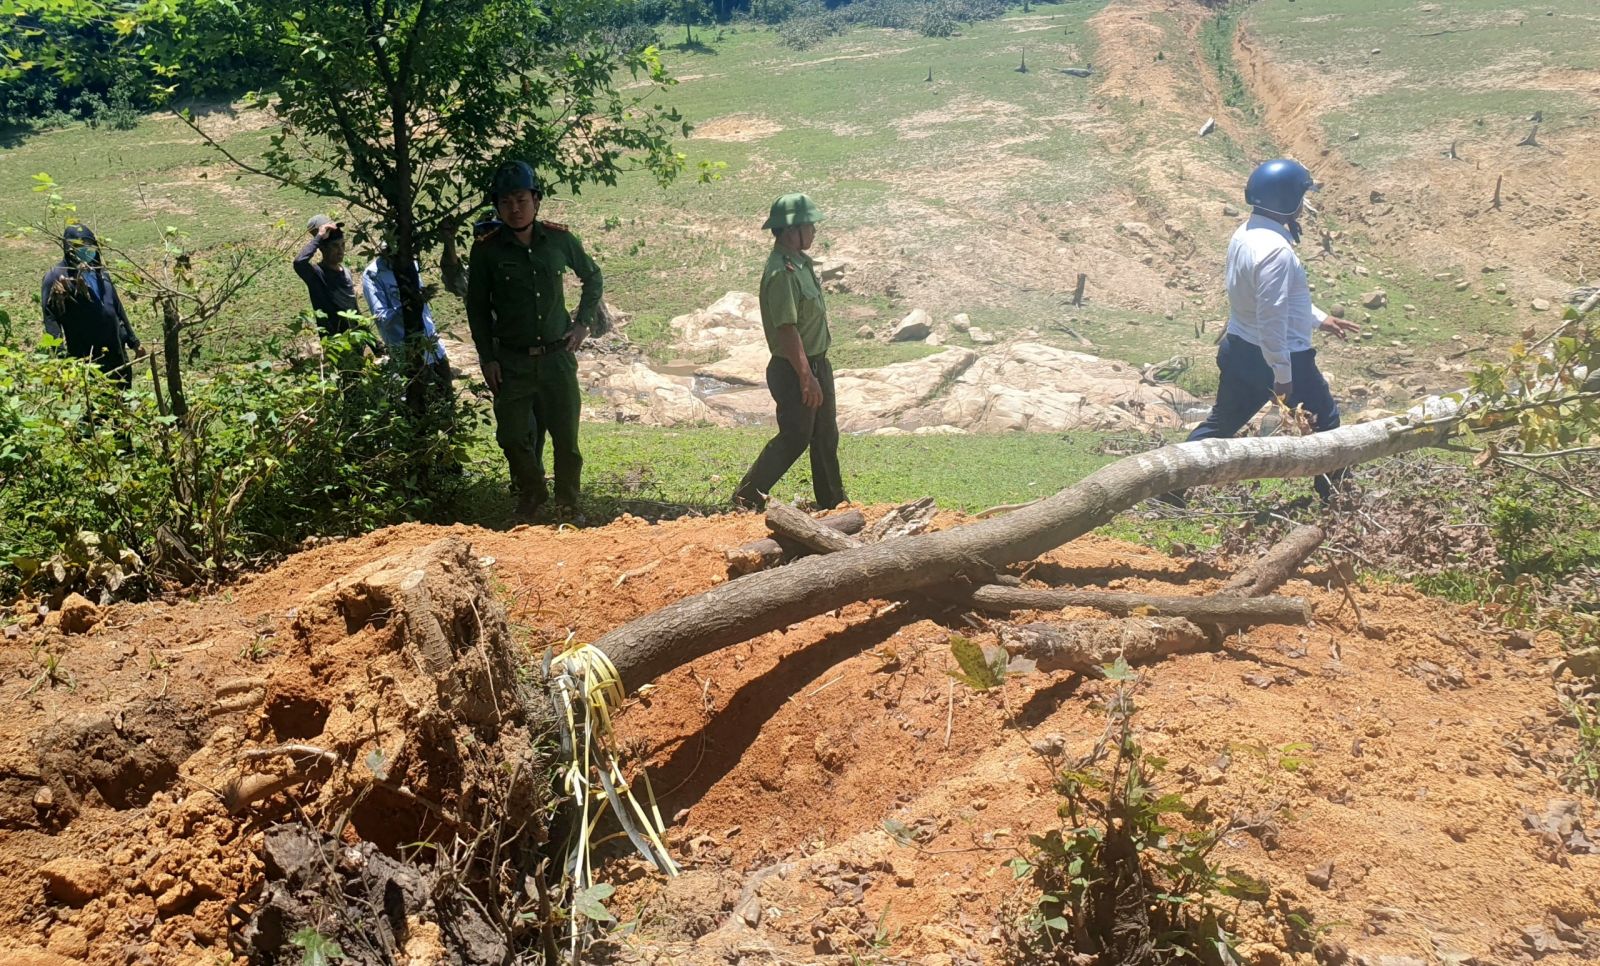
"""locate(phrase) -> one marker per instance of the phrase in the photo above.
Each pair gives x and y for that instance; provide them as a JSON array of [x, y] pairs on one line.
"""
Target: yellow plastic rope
[[587, 689]]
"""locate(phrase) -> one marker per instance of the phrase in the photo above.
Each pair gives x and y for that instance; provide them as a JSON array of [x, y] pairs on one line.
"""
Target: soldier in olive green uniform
[[799, 377], [525, 339]]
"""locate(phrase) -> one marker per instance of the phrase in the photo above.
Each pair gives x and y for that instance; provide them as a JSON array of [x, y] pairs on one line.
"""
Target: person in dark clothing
[[329, 283], [794, 316], [81, 307]]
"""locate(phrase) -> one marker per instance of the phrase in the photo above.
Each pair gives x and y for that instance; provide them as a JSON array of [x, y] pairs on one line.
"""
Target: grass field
[[893, 160], [1440, 70], [699, 468]]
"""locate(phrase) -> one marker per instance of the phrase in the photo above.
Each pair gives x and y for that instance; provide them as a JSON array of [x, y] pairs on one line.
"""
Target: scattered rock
[[1338, 311], [960, 322], [1375, 299], [865, 332], [1232, 211], [1517, 640], [70, 942], [832, 269], [1141, 233], [1541, 941], [75, 881], [872, 399], [1560, 826], [1375, 197], [78, 614], [1463, 285], [980, 337], [746, 365], [1499, 288], [913, 328], [1540, 305], [1322, 876], [734, 319]]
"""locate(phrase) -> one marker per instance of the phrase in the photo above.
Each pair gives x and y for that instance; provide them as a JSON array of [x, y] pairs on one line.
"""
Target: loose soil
[[780, 758]]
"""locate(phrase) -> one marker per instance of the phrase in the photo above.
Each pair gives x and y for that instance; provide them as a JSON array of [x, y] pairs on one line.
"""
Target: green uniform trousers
[[799, 428], [538, 395]]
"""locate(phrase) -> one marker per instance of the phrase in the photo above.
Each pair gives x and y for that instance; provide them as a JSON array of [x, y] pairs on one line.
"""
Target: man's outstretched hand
[[1343, 328]]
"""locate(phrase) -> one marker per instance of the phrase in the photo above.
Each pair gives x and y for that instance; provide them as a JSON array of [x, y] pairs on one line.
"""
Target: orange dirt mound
[[1426, 737]]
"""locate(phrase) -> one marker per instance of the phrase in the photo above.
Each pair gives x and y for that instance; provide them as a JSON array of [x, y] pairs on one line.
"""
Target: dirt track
[[795, 747]]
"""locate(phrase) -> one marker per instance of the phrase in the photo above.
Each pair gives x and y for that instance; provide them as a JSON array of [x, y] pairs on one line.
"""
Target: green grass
[[698, 468], [1464, 69], [849, 352]]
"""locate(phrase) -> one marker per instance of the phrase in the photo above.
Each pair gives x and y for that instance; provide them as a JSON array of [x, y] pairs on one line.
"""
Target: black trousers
[[799, 428], [1246, 386]]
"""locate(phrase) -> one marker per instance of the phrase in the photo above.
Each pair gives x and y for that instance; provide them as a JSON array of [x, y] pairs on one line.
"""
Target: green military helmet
[[795, 209], [515, 176]]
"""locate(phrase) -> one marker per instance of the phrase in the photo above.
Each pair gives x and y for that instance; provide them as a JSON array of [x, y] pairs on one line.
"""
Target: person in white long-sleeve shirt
[[382, 291], [1266, 351]]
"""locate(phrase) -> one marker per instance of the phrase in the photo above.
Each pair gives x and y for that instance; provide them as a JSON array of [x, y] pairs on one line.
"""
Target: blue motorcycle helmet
[[79, 245], [1278, 187]]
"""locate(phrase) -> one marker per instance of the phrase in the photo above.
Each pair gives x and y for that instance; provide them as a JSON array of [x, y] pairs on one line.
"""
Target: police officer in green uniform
[[524, 336], [799, 377]]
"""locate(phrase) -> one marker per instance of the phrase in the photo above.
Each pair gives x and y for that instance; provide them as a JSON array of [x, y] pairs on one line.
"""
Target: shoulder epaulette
[[554, 226]]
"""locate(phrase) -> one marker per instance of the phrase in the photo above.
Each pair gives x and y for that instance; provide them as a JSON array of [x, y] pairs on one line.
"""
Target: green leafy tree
[[402, 108], [691, 13]]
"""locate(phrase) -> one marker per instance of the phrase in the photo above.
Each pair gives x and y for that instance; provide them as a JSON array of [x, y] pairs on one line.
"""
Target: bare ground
[[795, 747]]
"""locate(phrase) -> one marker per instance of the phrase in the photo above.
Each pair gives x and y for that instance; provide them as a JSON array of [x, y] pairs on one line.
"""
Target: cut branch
[[1237, 611], [786, 521], [1087, 646], [761, 554], [1277, 565], [648, 647]]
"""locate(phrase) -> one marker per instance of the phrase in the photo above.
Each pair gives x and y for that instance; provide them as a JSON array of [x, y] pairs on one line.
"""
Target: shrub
[[1120, 877], [102, 488]]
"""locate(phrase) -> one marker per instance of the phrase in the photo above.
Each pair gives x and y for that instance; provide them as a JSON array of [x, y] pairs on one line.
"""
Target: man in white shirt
[[1267, 351], [382, 291]]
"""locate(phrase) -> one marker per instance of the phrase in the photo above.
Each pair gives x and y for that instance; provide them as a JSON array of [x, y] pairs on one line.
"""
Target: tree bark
[[767, 552], [171, 326], [1239, 612], [648, 647], [786, 521], [1277, 565], [1086, 646], [905, 520]]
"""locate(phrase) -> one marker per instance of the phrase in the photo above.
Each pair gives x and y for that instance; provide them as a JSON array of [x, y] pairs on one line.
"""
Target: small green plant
[[1129, 874], [1584, 772], [979, 671], [315, 948], [51, 672]]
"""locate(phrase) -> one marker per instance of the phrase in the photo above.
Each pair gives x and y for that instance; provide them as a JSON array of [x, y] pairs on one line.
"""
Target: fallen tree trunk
[[1235, 611], [648, 647], [1087, 646], [1277, 565], [768, 552]]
